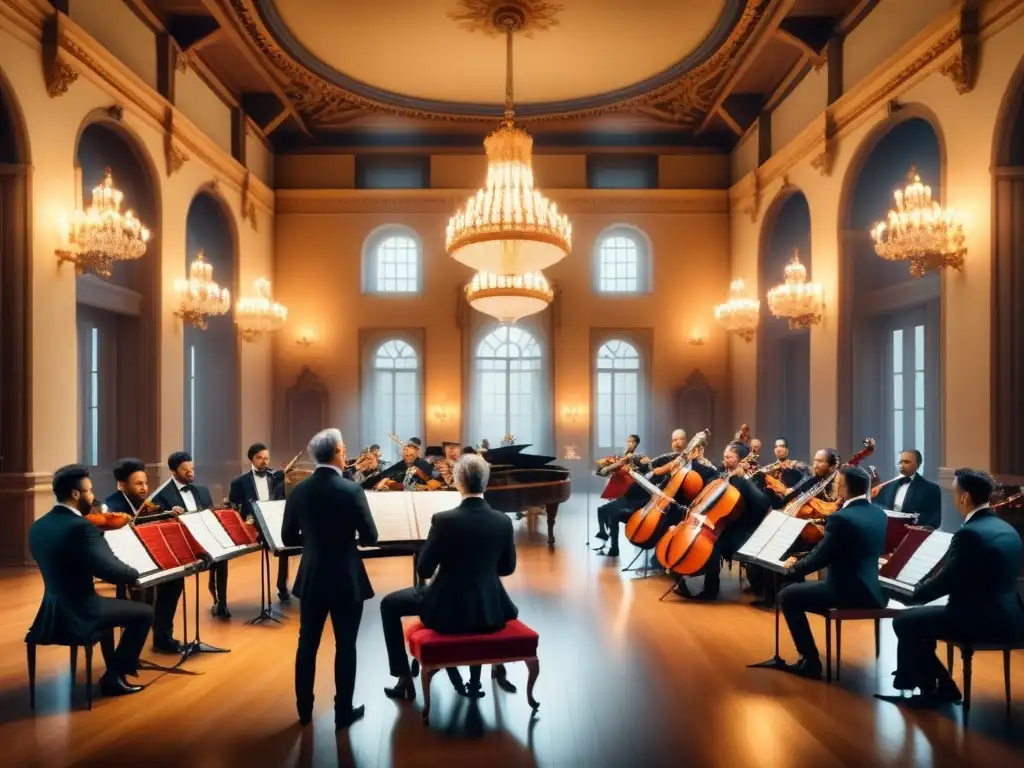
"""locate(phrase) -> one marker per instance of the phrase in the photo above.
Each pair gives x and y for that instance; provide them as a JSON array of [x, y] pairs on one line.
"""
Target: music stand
[[269, 516]]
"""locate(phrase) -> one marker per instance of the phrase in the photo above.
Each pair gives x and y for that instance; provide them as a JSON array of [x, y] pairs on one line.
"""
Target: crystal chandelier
[[920, 231], [740, 314], [509, 228], [200, 297], [259, 315], [508, 297], [101, 234], [796, 300]]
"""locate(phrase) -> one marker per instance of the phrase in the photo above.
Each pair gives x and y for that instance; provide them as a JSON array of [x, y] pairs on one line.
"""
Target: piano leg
[[552, 513]]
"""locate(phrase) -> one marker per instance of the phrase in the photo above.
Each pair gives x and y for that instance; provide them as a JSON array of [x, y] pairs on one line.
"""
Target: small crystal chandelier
[[101, 234], [259, 315], [740, 314], [509, 297], [200, 297], [509, 228], [920, 231], [796, 300]]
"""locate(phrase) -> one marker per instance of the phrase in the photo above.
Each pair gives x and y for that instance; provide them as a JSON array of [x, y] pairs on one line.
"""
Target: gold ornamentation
[[174, 155], [797, 300], [200, 297], [259, 315], [248, 206], [181, 62], [822, 162], [59, 77], [479, 15], [956, 70]]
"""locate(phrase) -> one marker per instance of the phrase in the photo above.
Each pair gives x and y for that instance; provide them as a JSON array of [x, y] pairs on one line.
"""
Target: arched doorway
[[1007, 407], [210, 367], [890, 384], [784, 355], [118, 318]]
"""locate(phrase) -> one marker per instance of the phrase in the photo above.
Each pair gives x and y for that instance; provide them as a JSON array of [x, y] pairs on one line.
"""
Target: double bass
[[687, 548]]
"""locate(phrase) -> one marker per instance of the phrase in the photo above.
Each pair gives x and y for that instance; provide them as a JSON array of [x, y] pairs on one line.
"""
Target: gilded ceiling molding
[[59, 77], [478, 16], [823, 161], [962, 67], [174, 155]]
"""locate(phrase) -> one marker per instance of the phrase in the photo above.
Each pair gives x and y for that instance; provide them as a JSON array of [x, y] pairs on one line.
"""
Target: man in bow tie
[[912, 493], [261, 483]]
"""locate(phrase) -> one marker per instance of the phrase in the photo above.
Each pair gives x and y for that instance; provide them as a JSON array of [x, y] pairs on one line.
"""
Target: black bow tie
[[260, 472], [905, 480], [188, 488]]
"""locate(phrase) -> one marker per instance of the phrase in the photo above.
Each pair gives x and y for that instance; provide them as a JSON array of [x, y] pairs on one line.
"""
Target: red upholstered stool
[[434, 651]]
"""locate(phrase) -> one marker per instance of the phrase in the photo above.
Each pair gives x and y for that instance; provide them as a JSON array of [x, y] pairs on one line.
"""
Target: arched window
[[618, 393], [509, 386], [622, 257], [392, 262], [395, 400]]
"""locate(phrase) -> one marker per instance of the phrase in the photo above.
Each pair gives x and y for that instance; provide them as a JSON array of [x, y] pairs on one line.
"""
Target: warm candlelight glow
[[259, 315], [199, 296], [509, 297], [796, 300], [740, 314]]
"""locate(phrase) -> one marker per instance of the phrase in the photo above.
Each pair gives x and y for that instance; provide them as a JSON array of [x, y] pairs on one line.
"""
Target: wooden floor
[[625, 680]]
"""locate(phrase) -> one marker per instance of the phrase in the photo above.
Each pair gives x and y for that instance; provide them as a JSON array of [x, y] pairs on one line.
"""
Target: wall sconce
[[441, 414], [570, 454], [696, 340], [306, 339], [572, 413]]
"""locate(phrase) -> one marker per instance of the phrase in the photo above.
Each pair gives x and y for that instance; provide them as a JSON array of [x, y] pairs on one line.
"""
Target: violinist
[[854, 537], [617, 484], [364, 466], [132, 487], [443, 467], [260, 483], [912, 493], [790, 471], [826, 461], [410, 471]]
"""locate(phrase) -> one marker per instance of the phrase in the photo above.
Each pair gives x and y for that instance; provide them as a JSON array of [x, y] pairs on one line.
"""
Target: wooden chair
[[967, 651], [87, 644], [839, 615]]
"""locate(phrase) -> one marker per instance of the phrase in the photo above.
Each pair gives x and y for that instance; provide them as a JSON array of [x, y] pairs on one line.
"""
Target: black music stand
[[271, 535], [176, 669], [776, 661]]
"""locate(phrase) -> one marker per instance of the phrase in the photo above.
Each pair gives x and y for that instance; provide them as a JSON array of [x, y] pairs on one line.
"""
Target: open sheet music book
[[270, 519], [771, 541], [405, 516], [129, 549], [916, 559], [208, 531]]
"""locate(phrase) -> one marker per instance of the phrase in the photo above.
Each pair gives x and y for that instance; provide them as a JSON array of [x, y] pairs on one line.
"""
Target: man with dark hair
[[826, 461], [854, 539], [260, 483], [912, 493], [979, 573], [132, 487], [70, 551]]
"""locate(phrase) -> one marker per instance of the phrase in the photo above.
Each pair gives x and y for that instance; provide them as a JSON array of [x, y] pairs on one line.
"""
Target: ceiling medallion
[[488, 16]]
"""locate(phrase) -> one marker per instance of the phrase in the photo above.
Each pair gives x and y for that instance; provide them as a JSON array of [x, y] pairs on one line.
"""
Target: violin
[[432, 484], [743, 436], [387, 484], [108, 521]]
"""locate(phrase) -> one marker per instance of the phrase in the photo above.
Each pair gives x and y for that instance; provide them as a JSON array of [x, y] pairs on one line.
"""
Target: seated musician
[[790, 471], [979, 573], [442, 468], [260, 483], [365, 466], [755, 446], [409, 471], [754, 507], [607, 467], [70, 551], [854, 537], [825, 463], [912, 493], [132, 487], [471, 547]]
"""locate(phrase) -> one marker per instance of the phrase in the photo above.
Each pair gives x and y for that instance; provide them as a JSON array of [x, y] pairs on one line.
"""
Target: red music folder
[[914, 538], [240, 532], [618, 484], [168, 543]]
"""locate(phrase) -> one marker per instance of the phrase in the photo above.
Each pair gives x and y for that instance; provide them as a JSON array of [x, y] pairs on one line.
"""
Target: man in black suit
[[260, 483], [979, 573], [132, 487], [69, 551], [854, 538], [323, 515], [470, 547], [912, 493]]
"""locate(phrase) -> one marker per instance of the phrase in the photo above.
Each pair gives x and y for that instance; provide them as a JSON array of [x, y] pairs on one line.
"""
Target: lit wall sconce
[[441, 414], [570, 454], [572, 413], [306, 339], [696, 340]]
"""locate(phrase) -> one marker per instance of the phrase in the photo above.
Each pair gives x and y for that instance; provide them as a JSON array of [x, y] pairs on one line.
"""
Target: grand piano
[[520, 481]]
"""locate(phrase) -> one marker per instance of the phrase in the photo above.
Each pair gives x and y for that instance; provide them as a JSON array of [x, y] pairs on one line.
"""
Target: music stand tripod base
[[195, 645], [267, 612]]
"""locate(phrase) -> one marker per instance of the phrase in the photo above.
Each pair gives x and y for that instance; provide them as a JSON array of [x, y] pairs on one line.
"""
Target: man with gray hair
[[470, 547], [323, 514]]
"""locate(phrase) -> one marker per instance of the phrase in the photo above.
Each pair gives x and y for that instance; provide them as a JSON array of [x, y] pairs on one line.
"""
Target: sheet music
[[393, 515], [765, 531], [215, 527], [426, 505], [775, 550], [162, 575], [271, 516], [927, 556], [129, 549], [202, 534]]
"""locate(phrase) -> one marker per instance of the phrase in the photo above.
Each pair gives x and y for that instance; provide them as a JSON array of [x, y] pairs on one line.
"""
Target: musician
[[912, 493], [442, 469], [470, 547], [608, 467], [826, 461], [132, 487], [979, 573], [260, 483], [323, 514], [790, 471], [70, 551], [411, 469], [755, 446], [854, 537], [370, 468]]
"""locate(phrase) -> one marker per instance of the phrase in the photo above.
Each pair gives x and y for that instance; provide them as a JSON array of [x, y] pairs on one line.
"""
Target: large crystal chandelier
[[920, 231], [740, 314], [259, 315], [101, 234], [796, 300], [200, 297], [509, 230]]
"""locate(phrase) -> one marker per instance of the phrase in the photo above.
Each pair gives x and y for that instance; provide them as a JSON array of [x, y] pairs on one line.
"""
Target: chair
[[967, 651], [87, 644], [434, 651], [839, 615]]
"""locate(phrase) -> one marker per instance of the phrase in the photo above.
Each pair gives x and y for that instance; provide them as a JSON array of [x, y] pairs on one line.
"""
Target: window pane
[[897, 351], [919, 426], [919, 348], [897, 391], [619, 264], [897, 432], [397, 265]]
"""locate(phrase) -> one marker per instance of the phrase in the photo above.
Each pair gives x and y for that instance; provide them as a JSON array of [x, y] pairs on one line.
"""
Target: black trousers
[[345, 618], [134, 619], [916, 630], [797, 600], [219, 582], [282, 573], [612, 515], [167, 596]]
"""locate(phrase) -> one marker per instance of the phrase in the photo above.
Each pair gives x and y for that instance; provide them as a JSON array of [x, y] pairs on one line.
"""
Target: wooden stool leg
[[1006, 675], [74, 672], [967, 657], [878, 636], [425, 677], [839, 647], [533, 667], [88, 676], [828, 649], [30, 649]]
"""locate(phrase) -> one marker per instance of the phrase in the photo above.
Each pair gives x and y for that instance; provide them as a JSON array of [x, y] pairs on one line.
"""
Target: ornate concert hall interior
[[236, 222]]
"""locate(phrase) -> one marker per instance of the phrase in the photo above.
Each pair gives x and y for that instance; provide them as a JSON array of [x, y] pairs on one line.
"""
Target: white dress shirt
[[68, 506], [262, 486], [862, 497], [331, 466], [901, 494], [131, 506], [186, 496], [976, 509]]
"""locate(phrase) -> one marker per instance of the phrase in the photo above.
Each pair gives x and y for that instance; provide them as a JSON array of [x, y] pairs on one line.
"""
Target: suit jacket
[[118, 502], [323, 514], [756, 504], [70, 551], [854, 540], [471, 547], [979, 573], [242, 491], [170, 497], [923, 498]]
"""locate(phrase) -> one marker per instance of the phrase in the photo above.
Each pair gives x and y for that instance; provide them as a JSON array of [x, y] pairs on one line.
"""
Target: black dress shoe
[[404, 689], [475, 691], [283, 595], [116, 685], [345, 719], [804, 667], [171, 646], [220, 610], [601, 535], [613, 552], [305, 718]]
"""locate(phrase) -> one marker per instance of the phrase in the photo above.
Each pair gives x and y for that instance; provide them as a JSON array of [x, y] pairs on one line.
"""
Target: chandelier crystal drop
[[259, 315], [740, 314], [198, 296], [102, 234], [797, 300], [509, 297], [920, 231]]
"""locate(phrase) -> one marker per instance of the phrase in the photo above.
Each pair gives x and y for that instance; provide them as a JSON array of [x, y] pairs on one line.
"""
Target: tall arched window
[[618, 393], [509, 386], [392, 262], [622, 262], [395, 402]]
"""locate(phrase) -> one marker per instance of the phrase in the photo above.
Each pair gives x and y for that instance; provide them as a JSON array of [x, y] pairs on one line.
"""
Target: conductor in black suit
[[261, 483], [912, 493], [471, 547], [854, 539], [70, 551], [323, 515], [979, 573]]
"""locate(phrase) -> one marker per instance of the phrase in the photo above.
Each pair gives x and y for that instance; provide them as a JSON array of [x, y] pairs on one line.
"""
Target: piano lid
[[512, 455]]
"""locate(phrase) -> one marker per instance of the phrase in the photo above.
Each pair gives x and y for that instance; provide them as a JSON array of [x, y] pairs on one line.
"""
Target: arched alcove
[[890, 334], [210, 364], [118, 319], [784, 355]]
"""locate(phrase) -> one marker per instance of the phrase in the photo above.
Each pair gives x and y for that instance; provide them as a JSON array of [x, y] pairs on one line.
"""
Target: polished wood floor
[[625, 680]]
